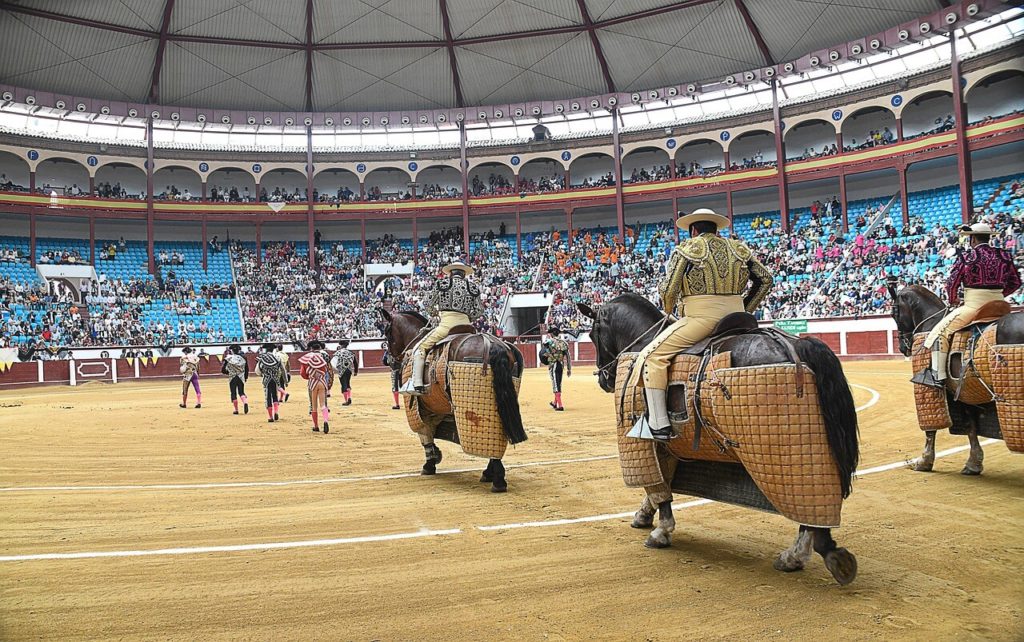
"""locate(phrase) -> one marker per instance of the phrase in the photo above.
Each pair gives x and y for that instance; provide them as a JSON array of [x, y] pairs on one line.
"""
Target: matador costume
[[705, 281], [455, 301]]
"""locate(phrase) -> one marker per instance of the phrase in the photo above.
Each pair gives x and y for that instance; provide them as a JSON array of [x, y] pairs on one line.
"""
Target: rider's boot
[[655, 424], [414, 386]]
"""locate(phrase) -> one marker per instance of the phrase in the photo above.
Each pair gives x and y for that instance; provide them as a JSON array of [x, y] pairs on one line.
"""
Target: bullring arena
[[369, 320], [197, 524]]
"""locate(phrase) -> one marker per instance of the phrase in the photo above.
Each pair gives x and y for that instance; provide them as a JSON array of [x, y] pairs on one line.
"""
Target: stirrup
[[409, 389], [927, 378]]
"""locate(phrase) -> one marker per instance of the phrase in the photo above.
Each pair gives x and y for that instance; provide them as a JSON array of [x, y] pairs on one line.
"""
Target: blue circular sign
[[566, 156], [256, 168], [963, 82], [896, 100], [837, 114], [33, 155], [361, 168], [670, 143], [145, 164], [93, 161], [515, 160], [782, 124], [204, 167], [724, 136], [413, 166]]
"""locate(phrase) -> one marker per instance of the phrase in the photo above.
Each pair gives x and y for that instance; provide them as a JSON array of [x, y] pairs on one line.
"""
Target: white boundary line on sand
[[329, 480], [316, 543]]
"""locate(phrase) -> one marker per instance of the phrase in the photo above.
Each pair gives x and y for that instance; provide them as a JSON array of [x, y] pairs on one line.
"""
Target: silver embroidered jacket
[[453, 293], [344, 360]]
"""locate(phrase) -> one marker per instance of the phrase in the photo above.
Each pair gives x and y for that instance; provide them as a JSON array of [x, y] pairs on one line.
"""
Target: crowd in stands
[[820, 272], [554, 183], [875, 138], [656, 173]]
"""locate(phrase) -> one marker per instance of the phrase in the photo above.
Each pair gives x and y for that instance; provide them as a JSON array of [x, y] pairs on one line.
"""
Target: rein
[[615, 362], [908, 337]]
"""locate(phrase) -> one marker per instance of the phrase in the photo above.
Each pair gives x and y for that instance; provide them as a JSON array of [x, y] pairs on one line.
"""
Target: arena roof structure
[[325, 55]]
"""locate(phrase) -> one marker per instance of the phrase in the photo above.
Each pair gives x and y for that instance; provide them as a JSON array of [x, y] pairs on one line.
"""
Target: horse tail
[[505, 395], [837, 407]]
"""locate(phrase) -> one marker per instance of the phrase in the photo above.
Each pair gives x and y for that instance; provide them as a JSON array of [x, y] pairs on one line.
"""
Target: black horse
[[629, 322], [917, 309]]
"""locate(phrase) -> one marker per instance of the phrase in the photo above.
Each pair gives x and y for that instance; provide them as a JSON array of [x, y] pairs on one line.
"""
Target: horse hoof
[[499, 489], [429, 469], [922, 467], [642, 521], [653, 541], [486, 479], [842, 565], [970, 471], [787, 566]]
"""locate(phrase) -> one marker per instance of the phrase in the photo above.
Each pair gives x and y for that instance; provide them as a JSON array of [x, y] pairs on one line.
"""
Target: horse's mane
[[641, 303], [415, 315]]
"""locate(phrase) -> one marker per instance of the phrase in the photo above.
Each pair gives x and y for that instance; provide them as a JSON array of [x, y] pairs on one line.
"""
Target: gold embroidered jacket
[[710, 264]]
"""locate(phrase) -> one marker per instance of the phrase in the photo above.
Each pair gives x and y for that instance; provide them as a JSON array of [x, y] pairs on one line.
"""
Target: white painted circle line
[[329, 480], [198, 550], [289, 482], [874, 397]]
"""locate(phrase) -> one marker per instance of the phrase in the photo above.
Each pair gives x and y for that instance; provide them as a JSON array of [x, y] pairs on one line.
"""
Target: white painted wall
[[390, 181], [592, 167], [286, 180], [15, 169], [178, 177], [228, 178], [60, 174], [857, 127], [1001, 97], [330, 181], [443, 176], [749, 146], [921, 117], [540, 168], [810, 135], [708, 154], [647, 159], [132, 179]]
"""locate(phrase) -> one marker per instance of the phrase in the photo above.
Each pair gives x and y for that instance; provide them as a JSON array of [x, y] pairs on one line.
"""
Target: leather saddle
[[730, 325], [986, 314]]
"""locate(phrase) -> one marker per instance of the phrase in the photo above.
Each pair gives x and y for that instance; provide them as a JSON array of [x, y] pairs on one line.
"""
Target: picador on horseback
[[705, 281], [454, 301], [966, 362], [461, 385], [706, 377], [985, 274]]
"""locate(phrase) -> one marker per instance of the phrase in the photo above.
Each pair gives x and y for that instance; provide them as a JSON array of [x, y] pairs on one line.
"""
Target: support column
[[464, 170], [206, 245], [32, 182], [519, 235], [149, 196], [256, 197], [901, 170], [842, 202], [675, 216], [204, 190], [620, 211], [362, 191], [780, 155], [839, 142], [92, 185], [362, 237], [899, 130], [310, 213], [567, 176], [728, 205], [92, 238], [963, 152], [672, 167], [415, 238], [568, 226], [727, 160], [32, 237], [259, 243]]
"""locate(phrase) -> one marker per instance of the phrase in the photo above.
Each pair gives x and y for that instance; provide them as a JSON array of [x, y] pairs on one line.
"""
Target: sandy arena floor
[[940, 554]]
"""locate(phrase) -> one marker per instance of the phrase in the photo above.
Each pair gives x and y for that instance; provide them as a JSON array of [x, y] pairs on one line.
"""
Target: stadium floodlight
[[973, 9], [251, 120], [225, 119], [155, 115], [346, 121], [60, 104], [30, 100], [950, 18], [673, 91], [175, 116], [199, 118], [635, 97], [535, 110], [730, 80], [652, 94], [834, 56], [104, 110], [559, 108], [268, 121]]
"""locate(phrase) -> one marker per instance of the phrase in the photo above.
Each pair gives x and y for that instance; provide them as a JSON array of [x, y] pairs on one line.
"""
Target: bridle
[[906, 337], [602, 370]]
